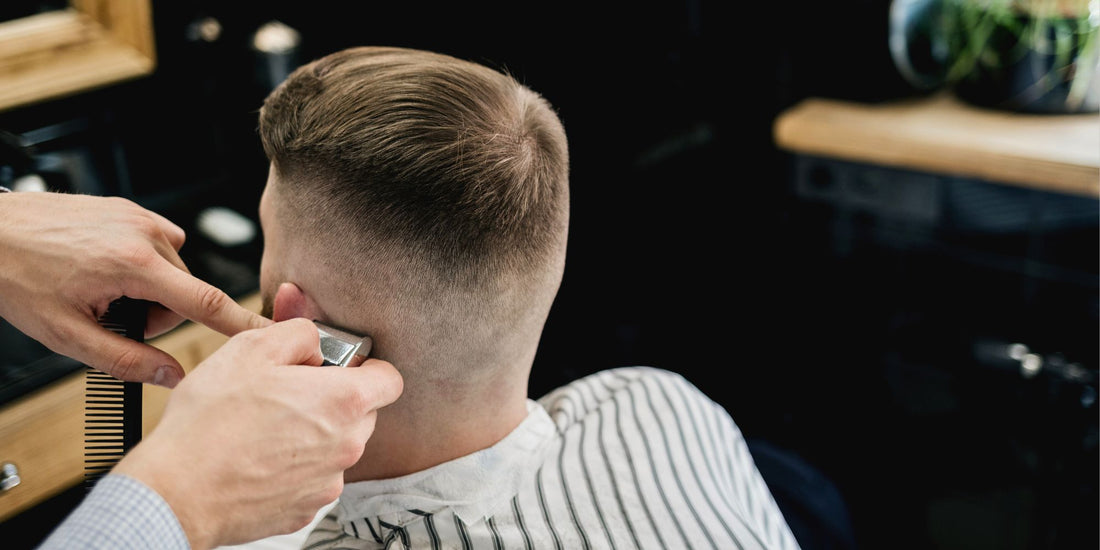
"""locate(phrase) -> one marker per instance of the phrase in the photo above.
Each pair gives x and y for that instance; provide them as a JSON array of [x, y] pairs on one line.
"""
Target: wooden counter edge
[[855, 132]]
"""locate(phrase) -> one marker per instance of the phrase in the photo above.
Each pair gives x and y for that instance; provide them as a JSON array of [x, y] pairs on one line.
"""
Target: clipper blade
[[340, 348]]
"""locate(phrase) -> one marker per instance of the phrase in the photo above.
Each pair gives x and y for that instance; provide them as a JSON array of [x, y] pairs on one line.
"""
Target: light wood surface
[[940, 134], [91, 44], [42, 433]]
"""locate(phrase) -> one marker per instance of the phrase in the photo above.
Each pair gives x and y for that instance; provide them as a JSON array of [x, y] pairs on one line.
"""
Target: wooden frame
[[91, 44]]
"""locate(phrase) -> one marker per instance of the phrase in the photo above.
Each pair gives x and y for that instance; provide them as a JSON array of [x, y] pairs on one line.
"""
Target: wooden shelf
[[940, 134]]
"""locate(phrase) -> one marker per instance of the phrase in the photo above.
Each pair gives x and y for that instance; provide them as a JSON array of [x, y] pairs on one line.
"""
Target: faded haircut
[[453, 173]]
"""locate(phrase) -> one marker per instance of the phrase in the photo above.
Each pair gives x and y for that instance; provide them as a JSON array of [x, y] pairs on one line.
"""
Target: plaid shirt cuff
[[119, 513]]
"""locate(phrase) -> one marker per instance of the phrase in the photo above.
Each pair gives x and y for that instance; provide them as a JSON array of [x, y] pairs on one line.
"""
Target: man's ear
[[291, 302]]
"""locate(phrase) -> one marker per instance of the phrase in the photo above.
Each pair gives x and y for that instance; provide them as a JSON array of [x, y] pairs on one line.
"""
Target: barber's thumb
[[127, 359], [379, 381]]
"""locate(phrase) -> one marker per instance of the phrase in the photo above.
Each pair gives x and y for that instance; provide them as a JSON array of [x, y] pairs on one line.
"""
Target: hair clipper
[[340, 348]]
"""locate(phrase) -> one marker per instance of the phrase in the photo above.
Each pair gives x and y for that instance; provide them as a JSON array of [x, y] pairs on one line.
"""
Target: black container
[[1000, 57], [1029, 80]]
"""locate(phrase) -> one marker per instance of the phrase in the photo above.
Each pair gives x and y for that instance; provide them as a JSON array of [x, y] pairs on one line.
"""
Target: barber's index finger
[[291, 342], [197, 300]]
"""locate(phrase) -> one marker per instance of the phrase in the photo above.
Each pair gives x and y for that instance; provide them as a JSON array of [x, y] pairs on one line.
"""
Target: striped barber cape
[[631, 457]]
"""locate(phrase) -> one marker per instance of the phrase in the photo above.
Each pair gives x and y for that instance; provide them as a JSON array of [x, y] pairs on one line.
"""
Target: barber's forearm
[[119, 513]]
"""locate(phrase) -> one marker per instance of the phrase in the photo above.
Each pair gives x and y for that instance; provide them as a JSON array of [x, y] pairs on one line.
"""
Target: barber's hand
[[64, 258], [252, 443]]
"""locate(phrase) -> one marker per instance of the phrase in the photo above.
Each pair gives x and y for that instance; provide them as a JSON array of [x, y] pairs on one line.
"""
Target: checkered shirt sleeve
[[119, 513]]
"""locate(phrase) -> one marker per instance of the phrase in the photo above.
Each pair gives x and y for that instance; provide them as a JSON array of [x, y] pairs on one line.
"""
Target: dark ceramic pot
[[1006, 72], [1028, 80]]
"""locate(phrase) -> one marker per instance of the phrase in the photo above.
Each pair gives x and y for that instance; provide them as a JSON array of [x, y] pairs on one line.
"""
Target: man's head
[[419, 198]]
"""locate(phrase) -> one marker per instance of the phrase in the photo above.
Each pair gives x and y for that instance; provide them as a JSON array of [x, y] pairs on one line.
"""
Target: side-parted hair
[[453, 170]]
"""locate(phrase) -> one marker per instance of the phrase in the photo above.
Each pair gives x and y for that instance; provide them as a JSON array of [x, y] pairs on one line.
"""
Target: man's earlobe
[[291, 302]]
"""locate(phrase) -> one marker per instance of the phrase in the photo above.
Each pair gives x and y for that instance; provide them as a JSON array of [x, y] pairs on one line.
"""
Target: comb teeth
[[109, 432]]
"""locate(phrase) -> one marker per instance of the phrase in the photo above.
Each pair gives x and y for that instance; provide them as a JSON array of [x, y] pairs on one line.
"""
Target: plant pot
[[1032, 77], [1029, 56]]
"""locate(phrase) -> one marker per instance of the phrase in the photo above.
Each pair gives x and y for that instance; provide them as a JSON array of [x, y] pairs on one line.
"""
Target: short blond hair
[[450, 174]]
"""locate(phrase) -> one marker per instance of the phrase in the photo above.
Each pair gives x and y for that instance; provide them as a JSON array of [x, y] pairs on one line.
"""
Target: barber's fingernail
[[166, 376]]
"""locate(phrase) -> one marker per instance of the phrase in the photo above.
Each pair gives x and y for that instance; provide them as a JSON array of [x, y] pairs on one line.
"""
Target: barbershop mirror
[[51, 49]]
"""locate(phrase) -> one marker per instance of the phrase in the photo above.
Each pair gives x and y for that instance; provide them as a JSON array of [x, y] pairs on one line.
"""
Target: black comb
[[112, 407]]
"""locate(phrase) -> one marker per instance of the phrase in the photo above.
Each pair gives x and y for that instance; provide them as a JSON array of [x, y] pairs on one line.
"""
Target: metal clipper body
[[340, 348]]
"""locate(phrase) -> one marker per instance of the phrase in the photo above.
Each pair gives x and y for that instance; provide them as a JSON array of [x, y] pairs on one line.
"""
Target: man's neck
[[410, 437]]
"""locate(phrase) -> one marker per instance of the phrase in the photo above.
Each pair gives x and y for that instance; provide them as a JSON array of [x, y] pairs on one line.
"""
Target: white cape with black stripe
[[633, 457]]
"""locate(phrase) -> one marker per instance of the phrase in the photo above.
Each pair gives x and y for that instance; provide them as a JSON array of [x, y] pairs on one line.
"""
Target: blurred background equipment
[[276, 45]]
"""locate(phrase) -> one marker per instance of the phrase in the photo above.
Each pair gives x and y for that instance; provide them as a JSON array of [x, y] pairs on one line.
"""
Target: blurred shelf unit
[[956, 250], [939, 134], [87, 44], [971, 207]]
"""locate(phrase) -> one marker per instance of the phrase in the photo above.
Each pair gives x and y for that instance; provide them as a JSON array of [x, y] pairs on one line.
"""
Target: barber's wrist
[[146, 463]]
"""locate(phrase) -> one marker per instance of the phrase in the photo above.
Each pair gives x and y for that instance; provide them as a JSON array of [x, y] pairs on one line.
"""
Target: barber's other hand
[[253, 442], [64, 258]]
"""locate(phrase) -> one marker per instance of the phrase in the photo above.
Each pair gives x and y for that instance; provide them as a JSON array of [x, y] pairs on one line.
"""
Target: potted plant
[[1038, 56]]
